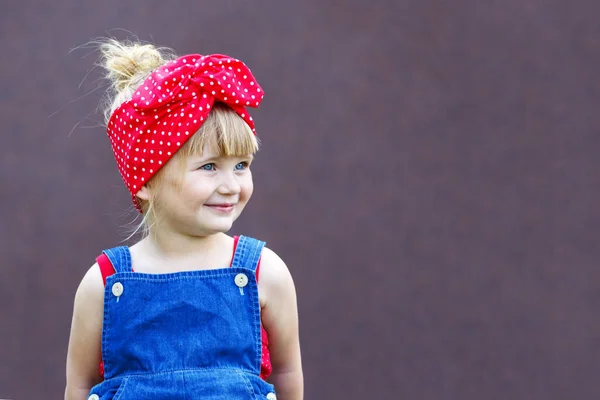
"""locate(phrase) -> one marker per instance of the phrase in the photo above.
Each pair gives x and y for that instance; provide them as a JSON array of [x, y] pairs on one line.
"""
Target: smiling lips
[[223, 207]]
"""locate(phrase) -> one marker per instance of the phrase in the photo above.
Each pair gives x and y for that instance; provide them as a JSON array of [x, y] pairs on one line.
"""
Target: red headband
[[170, 106]]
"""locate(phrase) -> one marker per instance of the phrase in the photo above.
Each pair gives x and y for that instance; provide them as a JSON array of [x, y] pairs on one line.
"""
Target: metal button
[[241, 280], [94, 397], [117, 289], [271, 396]]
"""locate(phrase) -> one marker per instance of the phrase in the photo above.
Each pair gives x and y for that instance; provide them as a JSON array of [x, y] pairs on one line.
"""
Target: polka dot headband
[[170, 106]]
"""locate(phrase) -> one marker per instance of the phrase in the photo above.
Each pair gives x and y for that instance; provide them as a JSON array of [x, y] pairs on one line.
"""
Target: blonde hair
[[127, 65]]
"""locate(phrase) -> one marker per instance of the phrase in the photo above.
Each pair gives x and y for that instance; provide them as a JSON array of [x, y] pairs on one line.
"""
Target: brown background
[[429, 172]]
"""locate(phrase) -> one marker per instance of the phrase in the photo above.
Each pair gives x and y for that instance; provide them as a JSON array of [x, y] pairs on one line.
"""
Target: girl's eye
[[208, 167], [241, 166]]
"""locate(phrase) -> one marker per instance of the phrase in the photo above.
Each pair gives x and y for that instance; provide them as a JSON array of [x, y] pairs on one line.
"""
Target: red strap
[[106, 267], [257, 269], [235, 242]]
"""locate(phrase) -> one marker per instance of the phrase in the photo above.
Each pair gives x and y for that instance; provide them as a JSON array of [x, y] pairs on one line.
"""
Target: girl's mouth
[[224, 208]]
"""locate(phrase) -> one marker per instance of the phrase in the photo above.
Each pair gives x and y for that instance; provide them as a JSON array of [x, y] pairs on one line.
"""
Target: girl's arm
[[83, 356], [280, 320]]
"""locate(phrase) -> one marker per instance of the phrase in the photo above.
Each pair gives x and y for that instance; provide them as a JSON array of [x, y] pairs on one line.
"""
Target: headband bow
[[170, 106]]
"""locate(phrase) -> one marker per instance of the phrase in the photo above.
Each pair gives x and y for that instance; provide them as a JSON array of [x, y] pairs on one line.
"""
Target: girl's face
[[203, 195]]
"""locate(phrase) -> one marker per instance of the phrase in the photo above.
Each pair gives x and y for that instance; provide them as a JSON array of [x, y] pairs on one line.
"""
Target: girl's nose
[[229, 184]]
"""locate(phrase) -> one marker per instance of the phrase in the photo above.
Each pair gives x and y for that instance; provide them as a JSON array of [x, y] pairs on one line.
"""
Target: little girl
[[187, 312]]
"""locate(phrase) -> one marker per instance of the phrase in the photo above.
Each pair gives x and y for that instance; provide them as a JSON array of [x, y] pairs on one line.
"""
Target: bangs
[[223, 131]]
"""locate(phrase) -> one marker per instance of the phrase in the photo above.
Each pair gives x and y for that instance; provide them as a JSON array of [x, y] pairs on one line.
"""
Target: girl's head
[[181, 135]]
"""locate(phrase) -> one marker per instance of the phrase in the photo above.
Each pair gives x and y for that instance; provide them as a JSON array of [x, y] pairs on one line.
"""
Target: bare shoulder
[[273, 268], [88, 306], [91, 286], [272, 261], [275, 277]]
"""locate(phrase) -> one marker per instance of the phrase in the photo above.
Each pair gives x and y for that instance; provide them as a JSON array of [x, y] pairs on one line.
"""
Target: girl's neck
[[172, 253], [175, 246]]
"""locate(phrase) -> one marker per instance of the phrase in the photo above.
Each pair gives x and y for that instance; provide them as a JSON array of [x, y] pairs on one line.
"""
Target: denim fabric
[[186, 335]]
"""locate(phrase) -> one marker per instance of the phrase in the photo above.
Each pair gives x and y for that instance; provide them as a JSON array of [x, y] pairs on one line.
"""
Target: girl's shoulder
[[275, 276], [271, 258], [90, 292]]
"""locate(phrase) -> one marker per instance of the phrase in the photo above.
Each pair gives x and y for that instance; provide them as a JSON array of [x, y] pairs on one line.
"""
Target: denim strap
[[120, 258], [247, 253]]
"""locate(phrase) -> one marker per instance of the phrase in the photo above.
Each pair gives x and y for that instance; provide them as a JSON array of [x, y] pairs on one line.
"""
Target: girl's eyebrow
[[199, 160], [212, 158]]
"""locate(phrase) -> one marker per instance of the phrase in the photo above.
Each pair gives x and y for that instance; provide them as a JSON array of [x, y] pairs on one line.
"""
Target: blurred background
[[429, 172]]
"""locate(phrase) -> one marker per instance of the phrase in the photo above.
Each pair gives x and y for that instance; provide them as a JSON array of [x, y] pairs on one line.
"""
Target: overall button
[[271, 396], [94, 397], [117, 289], [241, 280]]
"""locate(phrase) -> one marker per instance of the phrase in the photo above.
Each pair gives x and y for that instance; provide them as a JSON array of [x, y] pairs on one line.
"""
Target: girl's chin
[[216, 225]]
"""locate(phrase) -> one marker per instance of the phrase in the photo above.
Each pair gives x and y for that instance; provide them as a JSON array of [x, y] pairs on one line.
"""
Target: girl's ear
[[143, 193]]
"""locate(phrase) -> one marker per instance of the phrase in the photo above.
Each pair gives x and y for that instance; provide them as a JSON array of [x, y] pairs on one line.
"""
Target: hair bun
[[127, 65]]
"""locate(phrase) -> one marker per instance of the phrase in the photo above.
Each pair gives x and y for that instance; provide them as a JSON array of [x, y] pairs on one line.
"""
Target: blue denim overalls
[[186, 335]]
